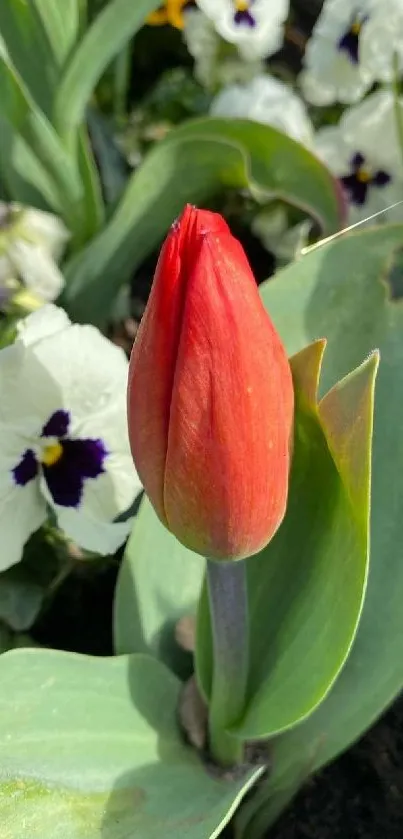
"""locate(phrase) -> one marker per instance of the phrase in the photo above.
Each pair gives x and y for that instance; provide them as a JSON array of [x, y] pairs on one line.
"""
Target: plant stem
[[229, 620], [397, 105]]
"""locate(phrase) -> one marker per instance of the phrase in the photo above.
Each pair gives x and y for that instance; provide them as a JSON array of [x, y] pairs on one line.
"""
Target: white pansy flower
[[63, 435], [31, 244], [363, 151], [352, 46], [266, 100], [255, 26], [215, 66]]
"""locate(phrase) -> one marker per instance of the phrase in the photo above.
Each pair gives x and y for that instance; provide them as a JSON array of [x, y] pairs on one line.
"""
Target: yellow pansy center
[[363, 175], [51, 453], [242, 5], [356, 27]]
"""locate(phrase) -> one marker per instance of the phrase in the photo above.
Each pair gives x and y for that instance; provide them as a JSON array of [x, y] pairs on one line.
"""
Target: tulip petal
[[153, 359], [230, 416]]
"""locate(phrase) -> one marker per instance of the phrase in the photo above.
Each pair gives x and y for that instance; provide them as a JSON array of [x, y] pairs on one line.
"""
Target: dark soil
[[360, 796]]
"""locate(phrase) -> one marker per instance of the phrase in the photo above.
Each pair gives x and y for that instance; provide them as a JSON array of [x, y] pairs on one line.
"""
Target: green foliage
[[47, 160], [95, 750], [159, 582], [93, 746], [342, 290], [307, 586], [189, 166]]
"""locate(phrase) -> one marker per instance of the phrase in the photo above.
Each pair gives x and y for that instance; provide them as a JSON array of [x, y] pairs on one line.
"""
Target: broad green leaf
[[192, 164], [306, 587], [90, 748], [341, 290], [159, 582], [112, 29]]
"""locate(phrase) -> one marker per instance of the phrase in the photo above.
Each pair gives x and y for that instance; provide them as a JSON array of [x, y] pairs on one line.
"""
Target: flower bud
[[210, 396]]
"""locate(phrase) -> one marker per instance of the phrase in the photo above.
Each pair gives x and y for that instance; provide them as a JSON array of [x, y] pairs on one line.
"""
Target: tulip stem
[[228, 601]]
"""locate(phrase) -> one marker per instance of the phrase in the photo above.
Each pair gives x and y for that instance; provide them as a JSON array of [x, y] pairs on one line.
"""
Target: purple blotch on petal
[[357, 187], [244, 17], [381, 178], [26, 470], [57, 425], [350, 41], [80, 460]]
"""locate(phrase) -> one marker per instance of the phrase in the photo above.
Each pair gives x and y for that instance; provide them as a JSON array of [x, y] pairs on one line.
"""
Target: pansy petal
[[47, 321], [89, 371], [72, 367], [22, 507], [46, 229], [91, 533], [37, 269], [267, 100]]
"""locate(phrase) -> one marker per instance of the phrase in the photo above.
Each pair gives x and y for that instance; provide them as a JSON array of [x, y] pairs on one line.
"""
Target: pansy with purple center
[[361, 178], [63, 436], [255, 27], [243, 14], [350, 40], [65, 463]]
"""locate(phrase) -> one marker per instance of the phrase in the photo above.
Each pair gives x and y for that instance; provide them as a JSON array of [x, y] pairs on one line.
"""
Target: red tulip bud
[[210, 397]]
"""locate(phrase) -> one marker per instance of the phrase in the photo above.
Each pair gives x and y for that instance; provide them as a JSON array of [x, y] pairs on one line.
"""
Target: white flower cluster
[[31, 244], [353, 46]]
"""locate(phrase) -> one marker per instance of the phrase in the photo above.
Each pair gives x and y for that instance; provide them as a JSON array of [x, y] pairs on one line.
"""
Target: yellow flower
[[170, 12]]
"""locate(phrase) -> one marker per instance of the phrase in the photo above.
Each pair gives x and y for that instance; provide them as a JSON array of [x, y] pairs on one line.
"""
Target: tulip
[[210, 396]]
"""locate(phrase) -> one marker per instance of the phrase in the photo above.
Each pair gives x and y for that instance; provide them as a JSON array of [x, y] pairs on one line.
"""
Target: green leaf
[[61, 22], [341, 290], [306, 587], [92, 193], [27, 49], [194, 162], [112, 165], [31, 125], [112, 29], [159, 582], [26, 180], [92, 747]]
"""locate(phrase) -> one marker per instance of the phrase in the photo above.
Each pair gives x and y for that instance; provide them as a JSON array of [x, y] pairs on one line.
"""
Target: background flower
[[333, 70], [363, 151], [215, 66], [352, 46], [268, 100], [255, 26], [63, 437], [31, 244]]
